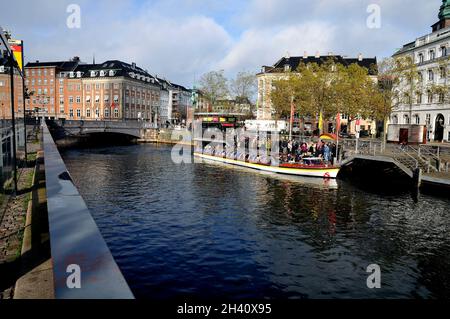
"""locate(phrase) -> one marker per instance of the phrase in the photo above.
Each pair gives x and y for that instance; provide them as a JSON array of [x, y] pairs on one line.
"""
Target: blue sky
[[182, 39]]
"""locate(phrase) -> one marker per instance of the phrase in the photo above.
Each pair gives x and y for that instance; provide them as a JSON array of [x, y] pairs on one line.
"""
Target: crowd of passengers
[[291, 151]]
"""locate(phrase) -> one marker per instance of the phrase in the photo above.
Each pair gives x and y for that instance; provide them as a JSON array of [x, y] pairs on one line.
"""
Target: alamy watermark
[[374, 279], [74, 279], [74, 19], [374, 19]]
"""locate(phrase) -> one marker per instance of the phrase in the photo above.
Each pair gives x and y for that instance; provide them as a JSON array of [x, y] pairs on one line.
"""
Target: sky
[[183, 39]]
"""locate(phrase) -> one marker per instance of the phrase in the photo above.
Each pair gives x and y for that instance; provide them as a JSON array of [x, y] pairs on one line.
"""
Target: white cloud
[[181, 39], [265, 46]]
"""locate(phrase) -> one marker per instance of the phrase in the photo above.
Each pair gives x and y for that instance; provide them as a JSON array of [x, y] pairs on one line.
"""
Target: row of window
[[415, 120], [430, 98], [432, 54], [95, 113], [39, 72], [431, 74], [40, 82]]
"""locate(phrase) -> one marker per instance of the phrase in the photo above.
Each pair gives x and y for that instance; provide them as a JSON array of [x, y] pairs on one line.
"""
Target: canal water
[[210, 231]]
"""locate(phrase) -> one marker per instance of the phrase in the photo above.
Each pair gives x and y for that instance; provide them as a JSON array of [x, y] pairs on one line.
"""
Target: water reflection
[[208, 230]]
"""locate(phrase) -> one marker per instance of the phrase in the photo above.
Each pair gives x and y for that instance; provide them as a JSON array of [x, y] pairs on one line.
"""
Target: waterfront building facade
[[280, 70], [111, 90], [429, 109]]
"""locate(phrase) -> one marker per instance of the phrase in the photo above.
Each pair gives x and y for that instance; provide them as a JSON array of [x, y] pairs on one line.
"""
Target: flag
[[338, 124], [321, 122], [17, 48]]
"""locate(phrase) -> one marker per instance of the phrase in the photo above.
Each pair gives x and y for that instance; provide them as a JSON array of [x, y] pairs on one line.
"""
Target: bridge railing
[[78, 250]]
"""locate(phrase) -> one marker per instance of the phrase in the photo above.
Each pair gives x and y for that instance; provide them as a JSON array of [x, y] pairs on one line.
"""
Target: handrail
[[75, 238]]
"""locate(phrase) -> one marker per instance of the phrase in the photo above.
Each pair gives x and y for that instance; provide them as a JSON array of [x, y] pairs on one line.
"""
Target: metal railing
[[78, 249]]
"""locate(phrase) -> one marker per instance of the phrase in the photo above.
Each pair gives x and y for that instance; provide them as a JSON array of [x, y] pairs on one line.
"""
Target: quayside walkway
[[422, 163]]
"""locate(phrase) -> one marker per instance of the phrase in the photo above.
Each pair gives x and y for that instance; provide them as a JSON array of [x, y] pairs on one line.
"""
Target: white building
[[429, 109]]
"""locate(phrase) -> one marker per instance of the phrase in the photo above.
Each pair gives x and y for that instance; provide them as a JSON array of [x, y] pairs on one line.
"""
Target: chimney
[[317, 54], [305, 55], [133, 65], [360, 57]]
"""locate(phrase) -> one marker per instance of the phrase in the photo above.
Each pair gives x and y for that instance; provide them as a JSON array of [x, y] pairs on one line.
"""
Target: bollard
[[417, 177]]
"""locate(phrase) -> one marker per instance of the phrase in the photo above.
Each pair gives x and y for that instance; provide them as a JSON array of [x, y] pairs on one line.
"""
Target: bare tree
[[244, 85], [214, 86]]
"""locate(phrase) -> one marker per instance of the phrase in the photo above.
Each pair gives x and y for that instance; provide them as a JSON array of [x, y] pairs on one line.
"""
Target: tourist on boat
[[326, 153]]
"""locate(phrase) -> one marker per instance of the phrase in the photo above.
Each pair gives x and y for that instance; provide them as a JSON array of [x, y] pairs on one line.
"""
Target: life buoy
[[327, 175]]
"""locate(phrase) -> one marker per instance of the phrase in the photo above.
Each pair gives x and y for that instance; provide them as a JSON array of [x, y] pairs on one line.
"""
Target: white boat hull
[[322, 172]]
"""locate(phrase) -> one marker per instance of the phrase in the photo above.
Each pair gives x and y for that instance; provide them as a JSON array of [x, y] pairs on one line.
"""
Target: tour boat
[[310, 167]]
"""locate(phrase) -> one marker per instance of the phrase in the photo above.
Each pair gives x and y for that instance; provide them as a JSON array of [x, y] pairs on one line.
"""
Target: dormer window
[[102, 73], [93, 73], [78, 74], [111, 73], [71, 74]]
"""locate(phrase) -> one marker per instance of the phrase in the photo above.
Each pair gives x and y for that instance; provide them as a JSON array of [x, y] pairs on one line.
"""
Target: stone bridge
[[71, 128]]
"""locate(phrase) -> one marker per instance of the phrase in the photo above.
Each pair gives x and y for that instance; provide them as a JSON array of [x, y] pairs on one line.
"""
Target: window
[[116, 99], [420, 57], [88, 113], [78, 113], [39, 72], [428, 119], [432, 55], [97, 86], [97, 99], [106, 86], [78, 99], [406, 119], [441, 97], [430, 97], [116, 113], [39, 91], [106, 99], [116, 86], [88, 99], [45, 91], [417, 119], [39, 81], [443, 51], [107, 112], [419, 98], [443, 72], [71, 113], [61, 81], [61, 90], [61, 101], [430, 75], [97, 113], [88, 87], [420, 76], [45, 82]]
